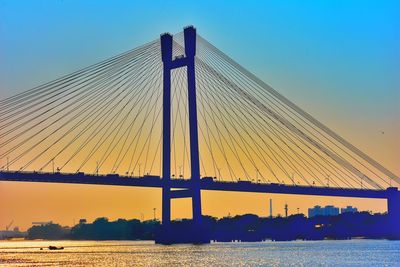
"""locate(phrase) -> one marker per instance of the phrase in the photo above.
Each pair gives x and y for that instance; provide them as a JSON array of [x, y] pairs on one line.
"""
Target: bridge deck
[[154, 181]]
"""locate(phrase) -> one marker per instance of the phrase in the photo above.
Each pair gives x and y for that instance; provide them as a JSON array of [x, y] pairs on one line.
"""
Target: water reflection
[[138, 253]]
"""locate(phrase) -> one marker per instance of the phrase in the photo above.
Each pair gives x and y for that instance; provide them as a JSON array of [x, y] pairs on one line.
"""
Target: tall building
[[270, 207], [323, 211], [286, 210], [348, 209]]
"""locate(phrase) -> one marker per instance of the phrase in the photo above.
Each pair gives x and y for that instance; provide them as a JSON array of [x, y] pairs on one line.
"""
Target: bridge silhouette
[[218, 127]]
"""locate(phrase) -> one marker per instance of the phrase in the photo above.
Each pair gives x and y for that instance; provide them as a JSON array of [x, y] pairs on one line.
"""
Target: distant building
[[270, 207], [286, 210], [323, 211], [82, 221], [12, 234], [42, 223], [348, 209]]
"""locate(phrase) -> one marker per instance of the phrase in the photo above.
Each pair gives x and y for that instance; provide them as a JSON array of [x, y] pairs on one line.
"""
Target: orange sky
[[64, 204]]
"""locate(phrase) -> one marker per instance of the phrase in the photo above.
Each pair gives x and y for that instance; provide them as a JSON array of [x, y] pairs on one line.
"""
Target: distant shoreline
[[152, 241], [241, 228]]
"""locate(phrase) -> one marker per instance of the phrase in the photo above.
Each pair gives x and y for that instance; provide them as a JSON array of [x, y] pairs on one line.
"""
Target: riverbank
[[246, 228]]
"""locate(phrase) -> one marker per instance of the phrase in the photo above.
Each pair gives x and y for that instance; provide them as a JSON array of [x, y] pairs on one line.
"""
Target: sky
[[338, 60]]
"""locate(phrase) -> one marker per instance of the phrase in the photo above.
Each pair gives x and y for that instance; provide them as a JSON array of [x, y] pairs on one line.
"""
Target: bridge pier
[[193, 233], [393, 207]]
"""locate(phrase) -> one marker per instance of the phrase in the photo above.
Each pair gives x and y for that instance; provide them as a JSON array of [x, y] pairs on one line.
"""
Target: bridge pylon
[[393, 208], [168, 235]]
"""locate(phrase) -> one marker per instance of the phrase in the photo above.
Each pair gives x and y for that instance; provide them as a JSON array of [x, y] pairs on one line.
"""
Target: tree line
[[248, 227]]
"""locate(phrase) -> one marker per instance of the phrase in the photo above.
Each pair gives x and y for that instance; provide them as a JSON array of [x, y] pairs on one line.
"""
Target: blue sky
[[336, 59]]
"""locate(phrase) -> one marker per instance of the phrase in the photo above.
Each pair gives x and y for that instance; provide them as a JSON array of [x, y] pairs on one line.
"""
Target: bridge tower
[[188, 61], [393, 204]]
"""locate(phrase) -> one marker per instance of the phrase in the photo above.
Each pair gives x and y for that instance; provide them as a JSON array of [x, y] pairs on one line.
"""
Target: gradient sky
[[338, 60]]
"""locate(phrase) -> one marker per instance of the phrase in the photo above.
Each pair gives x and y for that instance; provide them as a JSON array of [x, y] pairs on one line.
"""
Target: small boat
[[55, 248]]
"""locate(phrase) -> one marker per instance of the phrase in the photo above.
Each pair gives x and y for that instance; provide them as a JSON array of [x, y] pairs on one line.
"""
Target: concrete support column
[[166, 50], [393, 203]]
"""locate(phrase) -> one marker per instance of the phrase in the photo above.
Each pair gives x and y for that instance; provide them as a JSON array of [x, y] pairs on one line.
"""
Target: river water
[[138, 253]]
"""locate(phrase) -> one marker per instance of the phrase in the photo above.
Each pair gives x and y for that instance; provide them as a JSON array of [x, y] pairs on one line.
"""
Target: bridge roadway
[[206, 184]]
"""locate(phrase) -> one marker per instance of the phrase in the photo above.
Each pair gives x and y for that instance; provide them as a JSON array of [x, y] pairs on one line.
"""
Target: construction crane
[[9, 225]]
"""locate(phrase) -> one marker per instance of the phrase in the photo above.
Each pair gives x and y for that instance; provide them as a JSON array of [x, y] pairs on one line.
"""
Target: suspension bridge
[[179, 114]]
